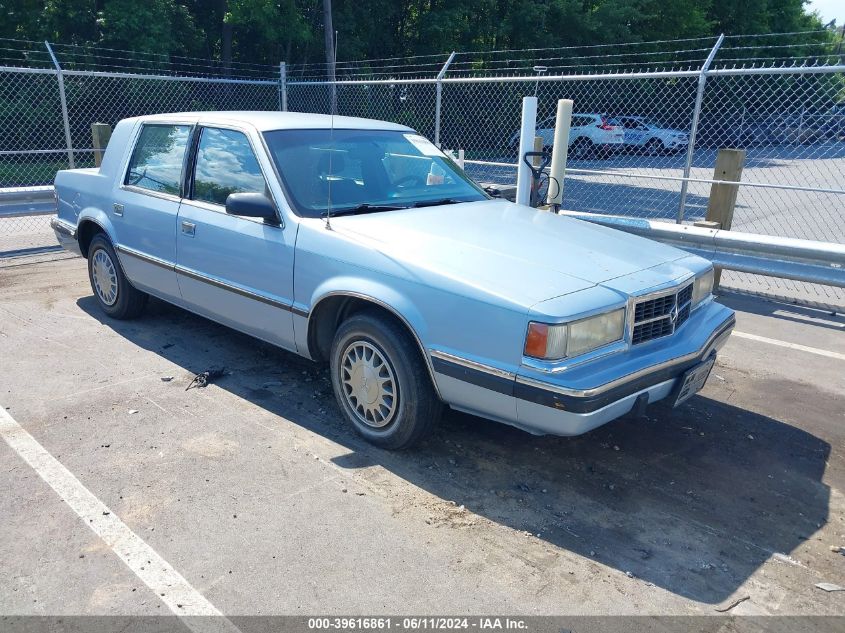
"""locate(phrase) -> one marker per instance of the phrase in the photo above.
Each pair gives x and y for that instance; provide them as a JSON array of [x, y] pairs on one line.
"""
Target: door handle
[[189, 228]]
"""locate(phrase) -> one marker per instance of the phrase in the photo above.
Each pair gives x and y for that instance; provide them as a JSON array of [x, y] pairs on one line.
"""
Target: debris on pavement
[[731, 605], [204, 378], [829, 586], [166, 378], [133, 411], [785, 558]]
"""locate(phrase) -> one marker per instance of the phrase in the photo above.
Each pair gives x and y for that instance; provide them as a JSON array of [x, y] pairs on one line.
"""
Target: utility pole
[[226, 39], [328, 31], [331, 52]]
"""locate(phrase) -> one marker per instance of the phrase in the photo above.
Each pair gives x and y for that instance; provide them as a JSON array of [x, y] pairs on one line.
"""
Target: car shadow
[[693, 501], [784, 311]]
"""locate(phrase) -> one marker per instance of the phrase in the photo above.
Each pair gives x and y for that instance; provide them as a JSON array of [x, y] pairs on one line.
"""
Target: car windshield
[[365, 171]]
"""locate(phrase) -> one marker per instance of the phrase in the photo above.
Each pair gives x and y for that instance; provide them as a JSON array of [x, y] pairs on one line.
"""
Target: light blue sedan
[[358, 243]]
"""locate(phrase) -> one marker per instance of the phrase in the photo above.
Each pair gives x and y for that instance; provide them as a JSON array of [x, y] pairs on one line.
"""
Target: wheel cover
[[368, 384], [104, 275]]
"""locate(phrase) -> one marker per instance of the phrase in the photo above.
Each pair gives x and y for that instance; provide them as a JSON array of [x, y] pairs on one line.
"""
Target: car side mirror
[[251, 205]]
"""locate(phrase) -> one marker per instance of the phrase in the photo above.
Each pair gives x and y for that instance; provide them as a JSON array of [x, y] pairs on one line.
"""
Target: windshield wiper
[[366, 208], [436, 203]]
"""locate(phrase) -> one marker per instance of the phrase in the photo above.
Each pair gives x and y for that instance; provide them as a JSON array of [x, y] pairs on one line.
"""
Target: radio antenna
[[333, 107]]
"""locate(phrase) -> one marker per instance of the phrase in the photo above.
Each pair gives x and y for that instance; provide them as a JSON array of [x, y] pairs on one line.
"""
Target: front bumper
[[588, 396], [574, 400]]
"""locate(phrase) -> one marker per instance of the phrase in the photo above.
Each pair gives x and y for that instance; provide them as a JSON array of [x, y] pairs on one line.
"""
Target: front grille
[[661, 316]]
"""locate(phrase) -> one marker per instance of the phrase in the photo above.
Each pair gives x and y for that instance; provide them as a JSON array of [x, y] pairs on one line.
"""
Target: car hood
[[504, 249]]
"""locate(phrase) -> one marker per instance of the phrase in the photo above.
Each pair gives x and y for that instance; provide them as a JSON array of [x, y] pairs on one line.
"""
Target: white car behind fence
[[589, 135], [650, 138]]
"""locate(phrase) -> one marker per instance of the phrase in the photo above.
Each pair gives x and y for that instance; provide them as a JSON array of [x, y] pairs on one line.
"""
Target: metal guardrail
[[20, 202], [787, 258]]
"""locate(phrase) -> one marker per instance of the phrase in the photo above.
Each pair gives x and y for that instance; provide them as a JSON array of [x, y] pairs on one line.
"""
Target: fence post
[[100, 135], [696, 113], [526, 142], [283, 87], [61, 79], [560, 152], [439, 97], [720, 207]]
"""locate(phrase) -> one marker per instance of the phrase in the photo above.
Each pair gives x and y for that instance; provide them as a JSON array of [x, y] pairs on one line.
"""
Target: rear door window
[[158, 157]]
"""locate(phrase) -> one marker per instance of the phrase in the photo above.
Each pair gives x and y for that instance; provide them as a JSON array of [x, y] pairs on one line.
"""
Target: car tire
[[654, 147], [112, 290], [581, 148], [381, 383]]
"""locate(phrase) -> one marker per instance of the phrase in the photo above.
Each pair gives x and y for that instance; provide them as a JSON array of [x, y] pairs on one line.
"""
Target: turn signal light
[[535, 341]]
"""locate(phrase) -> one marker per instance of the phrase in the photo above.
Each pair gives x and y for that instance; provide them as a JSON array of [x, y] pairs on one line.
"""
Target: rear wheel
[[654, 147], [381, 383], [115, 295], [581, 148]]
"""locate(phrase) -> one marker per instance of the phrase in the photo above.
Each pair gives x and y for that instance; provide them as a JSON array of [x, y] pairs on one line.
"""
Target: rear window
[[157, 159]]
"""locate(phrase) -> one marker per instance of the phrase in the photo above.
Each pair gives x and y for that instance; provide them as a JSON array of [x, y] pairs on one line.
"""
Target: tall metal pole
[[696, 113], [63, 100], [283, 87], [330, 38], [439, 98]]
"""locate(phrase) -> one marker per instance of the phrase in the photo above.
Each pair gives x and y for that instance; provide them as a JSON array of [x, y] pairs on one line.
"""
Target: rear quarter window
[[156, 163]]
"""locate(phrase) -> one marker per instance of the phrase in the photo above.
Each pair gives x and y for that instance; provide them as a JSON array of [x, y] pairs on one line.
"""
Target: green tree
[[153, 26]]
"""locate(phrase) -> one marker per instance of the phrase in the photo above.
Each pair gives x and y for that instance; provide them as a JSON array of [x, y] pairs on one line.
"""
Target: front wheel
[[381, 382], [654, 147], [581, 148], [115, 295]]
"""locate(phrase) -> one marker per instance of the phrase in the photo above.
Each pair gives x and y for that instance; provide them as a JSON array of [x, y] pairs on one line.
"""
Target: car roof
[[266, 121]]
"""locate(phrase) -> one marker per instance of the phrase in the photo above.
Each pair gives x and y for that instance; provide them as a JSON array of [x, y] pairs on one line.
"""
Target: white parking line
[[176, 592], [802, 348]]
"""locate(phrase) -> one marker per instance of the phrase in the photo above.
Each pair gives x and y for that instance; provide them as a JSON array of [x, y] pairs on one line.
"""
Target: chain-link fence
[[46, 115], [781, 98]]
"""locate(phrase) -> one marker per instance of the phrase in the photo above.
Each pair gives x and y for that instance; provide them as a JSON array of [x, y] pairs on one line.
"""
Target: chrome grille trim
[[660, 314]]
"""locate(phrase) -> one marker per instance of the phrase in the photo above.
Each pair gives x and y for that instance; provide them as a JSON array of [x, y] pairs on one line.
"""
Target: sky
[[829, 10]]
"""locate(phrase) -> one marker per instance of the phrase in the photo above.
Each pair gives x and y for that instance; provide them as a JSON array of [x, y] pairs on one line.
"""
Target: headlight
[[552, 342], [703, 287]]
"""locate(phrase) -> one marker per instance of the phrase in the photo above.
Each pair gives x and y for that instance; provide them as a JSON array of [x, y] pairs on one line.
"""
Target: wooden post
[[100, 133], [538, 147], [535, 160], [720, 208]]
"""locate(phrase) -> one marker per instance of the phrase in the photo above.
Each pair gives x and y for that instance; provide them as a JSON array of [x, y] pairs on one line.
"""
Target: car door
[[634, 131], [146, 204], [577, 128], [234, 270]]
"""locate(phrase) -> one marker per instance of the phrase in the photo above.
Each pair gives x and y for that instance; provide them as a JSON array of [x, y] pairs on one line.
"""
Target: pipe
[[63, 101], [526, 144], [560, 150], [438, 99], [696, 113]]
